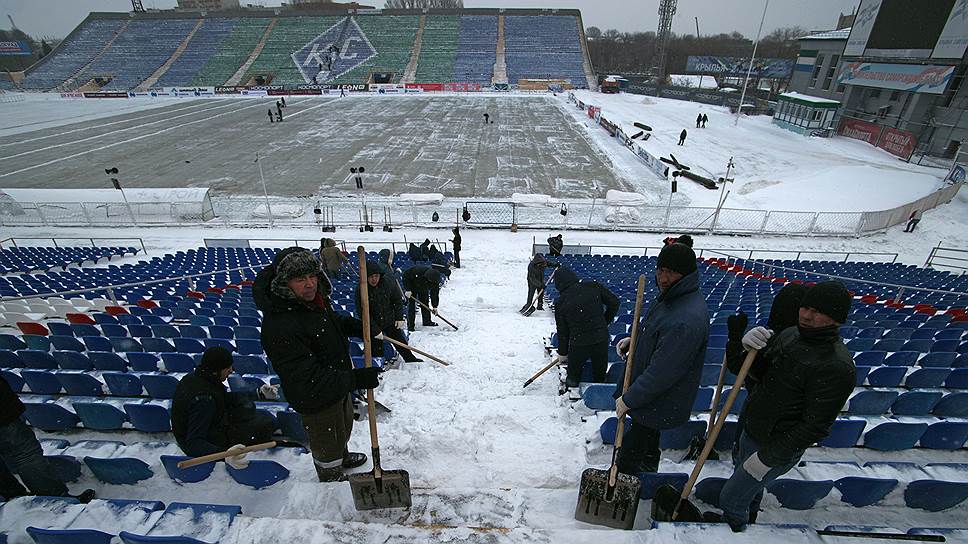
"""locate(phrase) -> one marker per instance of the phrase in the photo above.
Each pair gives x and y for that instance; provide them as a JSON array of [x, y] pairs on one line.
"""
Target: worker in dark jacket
[[306, 341], [391, 276], [206, 419], [583, 312], [423, 283], [20, 452], [415, 253], [386, 311], [668, 360], [332, 257], [804, 374], [456, 242], [536, 269], [555, 245]]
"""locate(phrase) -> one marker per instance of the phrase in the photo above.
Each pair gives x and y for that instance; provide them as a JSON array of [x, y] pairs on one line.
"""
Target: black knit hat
[[830, 298], [373, 267], [294, 262], [215, 359], [678, 258]]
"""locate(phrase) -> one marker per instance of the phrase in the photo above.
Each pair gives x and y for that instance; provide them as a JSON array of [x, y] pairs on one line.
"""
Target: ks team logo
[[333, 53]]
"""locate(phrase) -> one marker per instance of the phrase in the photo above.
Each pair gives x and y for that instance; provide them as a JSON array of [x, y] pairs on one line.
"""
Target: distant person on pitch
[[270, 115], [704, 119], [913, 220], [698, 120], [682, 137], [486, 118]]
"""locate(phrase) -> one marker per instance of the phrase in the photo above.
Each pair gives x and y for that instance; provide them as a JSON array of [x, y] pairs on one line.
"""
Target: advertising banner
[[653, 163], [190, 91], [462, 87], [106, 94], [429, 87], [387, 88], [896, 142], [248, 92], [738, 66], [956, 174], [230, 90], [305, 92], [14, 48], [678, 94], [72, 95], [954, 37], [609, 126], [139, 94], [901, 77], [859, 130], [861, 30], [336, 86]]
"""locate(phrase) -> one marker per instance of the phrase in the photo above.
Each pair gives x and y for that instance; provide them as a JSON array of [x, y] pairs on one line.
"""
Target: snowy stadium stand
[[111, 51]]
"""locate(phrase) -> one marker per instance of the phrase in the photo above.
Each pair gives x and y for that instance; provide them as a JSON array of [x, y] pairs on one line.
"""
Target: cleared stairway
[[500, 66], [66, 85], [237, 76], [153, 78], [410, 74]]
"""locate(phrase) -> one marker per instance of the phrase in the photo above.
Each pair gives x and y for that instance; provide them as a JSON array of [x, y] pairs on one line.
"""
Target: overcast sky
[[58, 17]]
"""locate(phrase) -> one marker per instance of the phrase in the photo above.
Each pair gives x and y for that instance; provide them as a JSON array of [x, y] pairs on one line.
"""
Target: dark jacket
[[199, 418], [669, 354], [10, 405], [456, 240], [583, 311], [425, 248], [306, 343], [555, 244], [436, 257], [390, 275], [415, 253], [805, 377], [423, 279], [331, 255], [385, 306], [536, 270]]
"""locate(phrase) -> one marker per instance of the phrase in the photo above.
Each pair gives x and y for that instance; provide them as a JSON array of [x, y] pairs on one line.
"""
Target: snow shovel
[[378, 488], [608, 497], [670, 505], [534, 303], [188, 463], [442, 318], [542, 371], [411, 348], [697, 443]]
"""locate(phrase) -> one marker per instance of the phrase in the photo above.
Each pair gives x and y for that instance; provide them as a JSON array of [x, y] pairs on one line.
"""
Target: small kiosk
[[805, 114]]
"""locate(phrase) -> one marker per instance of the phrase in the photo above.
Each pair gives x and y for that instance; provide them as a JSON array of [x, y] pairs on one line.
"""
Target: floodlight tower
[[137, 7], [667, 9]]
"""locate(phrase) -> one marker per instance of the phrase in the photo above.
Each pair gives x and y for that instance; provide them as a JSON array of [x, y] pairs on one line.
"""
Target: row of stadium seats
[[79, 49], [476, 49], [202, 47], [233, 53], [546, 47], [438, 49], [28, 259]]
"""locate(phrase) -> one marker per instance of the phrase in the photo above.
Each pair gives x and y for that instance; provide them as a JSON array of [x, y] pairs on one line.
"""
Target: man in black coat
[[555, 245], [456, 242], [583, 312], [804, 375], [423, 283], [386, 311], [306, 341], [205, 418], [21, 452], [536, 280]]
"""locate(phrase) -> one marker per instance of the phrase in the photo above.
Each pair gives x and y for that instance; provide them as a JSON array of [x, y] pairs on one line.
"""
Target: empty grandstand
[[121, 52]]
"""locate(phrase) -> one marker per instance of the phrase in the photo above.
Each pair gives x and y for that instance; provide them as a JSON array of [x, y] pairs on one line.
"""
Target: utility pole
[[722, 195], [746, 82], [667, 9], [113, 171], [265, 190], [697, 43]]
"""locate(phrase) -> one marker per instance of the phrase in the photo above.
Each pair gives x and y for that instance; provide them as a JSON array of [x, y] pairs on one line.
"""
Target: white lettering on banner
[[346, 48]]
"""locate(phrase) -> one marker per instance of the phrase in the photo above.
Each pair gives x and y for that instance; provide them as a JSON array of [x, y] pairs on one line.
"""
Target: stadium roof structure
[[841, 34]]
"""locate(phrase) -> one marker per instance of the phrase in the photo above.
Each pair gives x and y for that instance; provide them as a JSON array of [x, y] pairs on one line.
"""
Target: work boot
[[353, 460], [712, 517], [330, 474], [430, 324], [85, 497]]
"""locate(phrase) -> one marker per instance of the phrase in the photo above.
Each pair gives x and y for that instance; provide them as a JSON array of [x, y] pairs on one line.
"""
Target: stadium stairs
[[410, 74], [500, 64], [69, 83], [256, 51], [154, 77]]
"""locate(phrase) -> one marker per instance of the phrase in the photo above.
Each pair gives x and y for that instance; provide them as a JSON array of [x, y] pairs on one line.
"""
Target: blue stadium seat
[[650, 481], [952, 405], [250, 364], [112, 330], [139, 331], [886, 376], [189, 345], [945, 435], [894, 436], [157, 345], [41, 382], [927, 377], [220, 342], [11, 342], [119, 470], [902, 358], [149, 418], [99, 416], [703, 401], [250, 333], [799, 494], [66, 467], [178, 362], [79, 384], [107, 361], [290, 423], [599, 396], [844, 433], [921, 346], [83, 329], [68, 536], [709, 489], [123, 384], [890, 345], [49, 416], [935, 495], [715, 355], [60, 329], [10, 359], [37, 360], [144, 362], [216, 331], [67, 343], [678, 438], [72, 360], [188, 475], [945, 346], [159, 386], [131, 538], [254, 347], [938, 359], [869, 358], [13, 380], [606, 430], [737, 404], [98, 343], [192, 331], [915, 403], [871, 332], [125, 344], [871, 402], [37, 342], [259, 473]]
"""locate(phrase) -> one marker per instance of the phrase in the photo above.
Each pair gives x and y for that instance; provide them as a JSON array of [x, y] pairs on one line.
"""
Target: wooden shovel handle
[[188, 463], [711, 439], [716, 396], [411, 348], [620, 421], [368, 362], [542, 371], [442, 318]]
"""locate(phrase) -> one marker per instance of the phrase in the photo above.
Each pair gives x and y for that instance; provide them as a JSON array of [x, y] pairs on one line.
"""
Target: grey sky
[[58, 17]]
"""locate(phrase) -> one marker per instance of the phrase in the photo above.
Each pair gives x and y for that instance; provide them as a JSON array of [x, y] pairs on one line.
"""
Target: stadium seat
[[934, 495], [678, 438], [862, 491], [259, 473], [157, 345], [189, 345], [938, 359], [254, 347], [125, 344], [131, 538], [66, 467], [945, 435], [251, 364], [72, 360], [188, 475], [290, 423], [871, 402], [123, 384], [709, 489], [37, 360], [799, 494], [599, 396], [32, 327], [886, 376], [80, 384], [13, 380], [178, 362], [118, 470], [67, 343], [11, 342], [99, 416], [149, 418], [98, 343], [49, 416], [159, 386], [869, 358], [902, 358], [894, 436], [143, 362], [650, 481], [41, 382], [68, 536], [915, 403], [952, 405], [927, 377], [703, 401], [113, 331]]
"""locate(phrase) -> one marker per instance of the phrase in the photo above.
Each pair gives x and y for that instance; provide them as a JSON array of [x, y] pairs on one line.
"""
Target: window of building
[[816, 70], [834, 62], [817, 115], [883, 111]]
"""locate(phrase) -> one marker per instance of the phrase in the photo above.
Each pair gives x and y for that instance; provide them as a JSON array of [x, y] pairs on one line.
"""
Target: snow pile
[[700, 82], [622, 198], [420, 199], [279, 211], [622, 215], [533, 200]]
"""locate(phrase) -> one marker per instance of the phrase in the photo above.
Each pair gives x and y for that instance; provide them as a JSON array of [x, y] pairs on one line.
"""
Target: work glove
[[379, 336], [366, 378], [622, 347], [756, 338], [736, 324], [400, 324], [433, 310], [408, 294], [620, 408], [269, 392], [756, 468], [237, 461]]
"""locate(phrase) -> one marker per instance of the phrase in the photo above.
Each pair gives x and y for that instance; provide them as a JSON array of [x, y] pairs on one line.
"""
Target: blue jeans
[[742, 492], [21, 453]]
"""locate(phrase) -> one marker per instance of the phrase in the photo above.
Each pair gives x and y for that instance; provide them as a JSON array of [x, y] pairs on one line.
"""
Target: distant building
[[208, 5], [323, 5], [845, 21], [817, 64]]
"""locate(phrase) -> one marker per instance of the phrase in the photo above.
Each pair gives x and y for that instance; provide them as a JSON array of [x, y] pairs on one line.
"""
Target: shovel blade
[[594, 506], [664, 506], [391, 490]]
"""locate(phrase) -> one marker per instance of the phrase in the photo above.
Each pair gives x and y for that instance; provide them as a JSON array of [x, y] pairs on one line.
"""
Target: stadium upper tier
[[121, 51]]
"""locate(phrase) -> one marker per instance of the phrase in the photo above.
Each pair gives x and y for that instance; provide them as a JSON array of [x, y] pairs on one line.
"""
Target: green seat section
[[438, 49], [233, 51], [393, 38], [289, 35]]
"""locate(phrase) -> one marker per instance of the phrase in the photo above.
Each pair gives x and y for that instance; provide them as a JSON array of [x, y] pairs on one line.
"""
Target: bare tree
[[421, 4], [593, 32]]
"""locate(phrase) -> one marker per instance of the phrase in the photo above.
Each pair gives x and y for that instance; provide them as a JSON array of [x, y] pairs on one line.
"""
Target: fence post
[[813, 223], [766, 219], [591, 212], [900, 293], [111, 296], [40, 212], [87, 216]]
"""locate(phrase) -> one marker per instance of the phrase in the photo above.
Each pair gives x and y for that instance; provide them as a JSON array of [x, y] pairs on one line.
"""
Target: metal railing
[[644, 250], [947, 257], [311, 243], [13, 240]]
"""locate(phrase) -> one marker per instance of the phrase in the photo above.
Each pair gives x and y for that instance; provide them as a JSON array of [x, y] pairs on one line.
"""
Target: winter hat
[[830, 298], [685, 240], [564, 278], [215, 359], [785, 310], [678, 258], [292, 262], [373, 267]]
